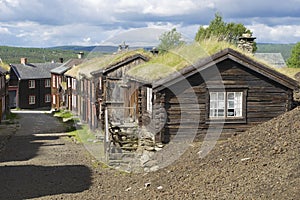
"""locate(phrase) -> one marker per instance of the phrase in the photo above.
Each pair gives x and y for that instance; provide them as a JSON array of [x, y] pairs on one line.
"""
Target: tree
[[222, 31], [169, 40], [294, 59]]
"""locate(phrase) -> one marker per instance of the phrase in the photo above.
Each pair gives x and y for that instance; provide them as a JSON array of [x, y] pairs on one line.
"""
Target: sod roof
[[104, 62]]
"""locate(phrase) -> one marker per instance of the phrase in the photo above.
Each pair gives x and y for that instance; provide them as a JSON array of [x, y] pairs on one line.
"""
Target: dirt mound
[[262, 163]]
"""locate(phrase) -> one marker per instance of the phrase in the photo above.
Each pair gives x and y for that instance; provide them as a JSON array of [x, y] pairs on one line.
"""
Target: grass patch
[[83, 135], [12, 116], [63, 114]]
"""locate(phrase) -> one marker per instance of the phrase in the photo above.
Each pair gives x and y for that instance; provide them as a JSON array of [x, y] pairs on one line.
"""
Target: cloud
[[273, 34], [56, 22]]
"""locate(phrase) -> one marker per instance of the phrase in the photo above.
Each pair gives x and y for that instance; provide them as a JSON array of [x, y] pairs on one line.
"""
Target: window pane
[[221, 104], [213, 96], [230, 95], [221, 95], [234, 104], [230, 104], [221, 113]]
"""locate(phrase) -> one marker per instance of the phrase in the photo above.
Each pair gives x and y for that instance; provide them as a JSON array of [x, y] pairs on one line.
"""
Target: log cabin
[[96, 83], [224, 93]]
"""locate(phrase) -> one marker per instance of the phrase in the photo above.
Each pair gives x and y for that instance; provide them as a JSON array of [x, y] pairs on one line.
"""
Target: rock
[[154, 168], [147, 184], [160, 187]]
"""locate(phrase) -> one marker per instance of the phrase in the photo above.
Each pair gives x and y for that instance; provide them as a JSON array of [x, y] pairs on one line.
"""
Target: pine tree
[[294, 59]]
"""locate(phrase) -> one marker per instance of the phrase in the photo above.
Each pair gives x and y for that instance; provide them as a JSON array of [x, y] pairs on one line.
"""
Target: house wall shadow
[[23, 147], [29, 181]]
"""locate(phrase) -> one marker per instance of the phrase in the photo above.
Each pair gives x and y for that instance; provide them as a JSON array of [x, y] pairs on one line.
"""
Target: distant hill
[[34, 55], [103, 49], [284, 49], [38, 55]]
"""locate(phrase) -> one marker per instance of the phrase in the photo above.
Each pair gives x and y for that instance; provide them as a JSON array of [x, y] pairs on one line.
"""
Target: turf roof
[[104, 62], [176, 59]]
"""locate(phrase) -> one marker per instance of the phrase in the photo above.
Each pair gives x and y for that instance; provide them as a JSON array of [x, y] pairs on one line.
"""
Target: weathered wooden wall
[[265, 100]]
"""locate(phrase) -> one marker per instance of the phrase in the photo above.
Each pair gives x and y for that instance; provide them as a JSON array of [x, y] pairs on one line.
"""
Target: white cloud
[[275, 34], [4, 30], [88, 22]]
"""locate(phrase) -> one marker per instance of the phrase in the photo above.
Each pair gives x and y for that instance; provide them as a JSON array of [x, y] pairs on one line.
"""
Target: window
[[47, 83], [54, 99], [74, 84], [149, 100], [31, 83], [31, 100], [226, 105], [69, 82], [53, 81], [47, 98]]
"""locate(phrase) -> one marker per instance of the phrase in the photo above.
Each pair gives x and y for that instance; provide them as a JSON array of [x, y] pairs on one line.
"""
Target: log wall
[[265, 99]]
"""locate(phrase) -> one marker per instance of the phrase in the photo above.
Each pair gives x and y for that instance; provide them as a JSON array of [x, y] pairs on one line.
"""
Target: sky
[[47, 23]]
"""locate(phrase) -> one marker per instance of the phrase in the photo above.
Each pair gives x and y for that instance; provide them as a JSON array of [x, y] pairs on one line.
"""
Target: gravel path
[[40, 162]]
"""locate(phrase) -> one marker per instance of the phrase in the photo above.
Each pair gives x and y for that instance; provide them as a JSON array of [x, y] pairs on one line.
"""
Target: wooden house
[[3, 93], [30, 85], [96, 84], [60, 84], [227, 91]]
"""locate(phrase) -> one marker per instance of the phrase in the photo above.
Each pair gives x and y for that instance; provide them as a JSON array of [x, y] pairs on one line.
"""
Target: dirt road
[[40, 160]]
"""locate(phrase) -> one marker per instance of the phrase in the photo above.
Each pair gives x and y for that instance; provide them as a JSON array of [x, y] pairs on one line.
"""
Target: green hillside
[[34, 55], [38, 55]]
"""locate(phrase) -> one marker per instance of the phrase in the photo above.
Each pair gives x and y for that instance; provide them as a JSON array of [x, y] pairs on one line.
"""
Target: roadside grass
[[83, 135]]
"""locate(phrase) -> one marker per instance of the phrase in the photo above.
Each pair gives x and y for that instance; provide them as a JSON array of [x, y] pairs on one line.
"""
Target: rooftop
[[104, 62], [34, 70]]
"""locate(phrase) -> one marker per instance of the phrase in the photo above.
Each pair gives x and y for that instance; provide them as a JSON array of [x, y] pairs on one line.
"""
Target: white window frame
[[74, 83], [31, 84], [54, 81], [31, 99], [149, 99], [47, 83], [69, 82], [47, 98], [54, 99], [227, 105]]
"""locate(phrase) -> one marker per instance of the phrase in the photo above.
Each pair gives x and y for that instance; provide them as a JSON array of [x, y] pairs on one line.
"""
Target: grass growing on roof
[[106, 61], [178, 58]]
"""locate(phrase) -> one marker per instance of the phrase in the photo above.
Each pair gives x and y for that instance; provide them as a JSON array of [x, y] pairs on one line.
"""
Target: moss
[[176, 59]]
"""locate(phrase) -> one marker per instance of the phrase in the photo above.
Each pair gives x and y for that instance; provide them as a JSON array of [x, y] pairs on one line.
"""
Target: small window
[[226, 105], [54, 81], [54, 99], [149, 100], [69, 82], [31, 83], [47, 98], [31, 100], [47, 83]]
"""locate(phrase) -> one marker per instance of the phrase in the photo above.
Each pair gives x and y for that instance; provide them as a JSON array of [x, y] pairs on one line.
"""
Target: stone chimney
[[123, 47], [24, 61], [80, 55], [154, 51], [246, 42]]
